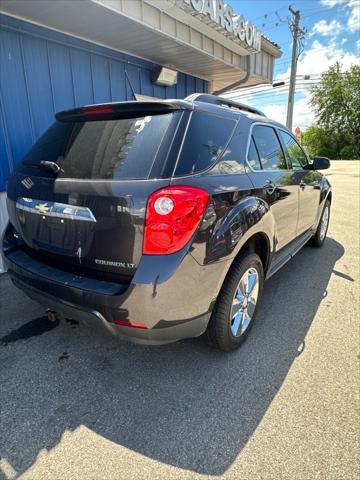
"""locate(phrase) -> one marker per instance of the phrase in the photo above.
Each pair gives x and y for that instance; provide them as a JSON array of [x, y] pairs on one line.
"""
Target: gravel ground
[[76, 404]]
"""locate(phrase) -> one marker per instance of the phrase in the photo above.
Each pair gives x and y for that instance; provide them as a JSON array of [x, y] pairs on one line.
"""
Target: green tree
[[336, 102], [327, 143]]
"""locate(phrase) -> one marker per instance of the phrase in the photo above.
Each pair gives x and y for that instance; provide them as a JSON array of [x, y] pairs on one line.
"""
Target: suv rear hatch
[[78, 199]]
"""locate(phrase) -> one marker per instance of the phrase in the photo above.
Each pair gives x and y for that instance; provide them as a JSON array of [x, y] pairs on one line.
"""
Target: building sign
[[223, 14]]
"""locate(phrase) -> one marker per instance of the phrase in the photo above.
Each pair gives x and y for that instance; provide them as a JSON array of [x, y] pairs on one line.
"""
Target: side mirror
[[321, 163]]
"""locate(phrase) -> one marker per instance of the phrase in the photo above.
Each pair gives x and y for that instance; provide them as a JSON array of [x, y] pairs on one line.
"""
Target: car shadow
[[184, 404]]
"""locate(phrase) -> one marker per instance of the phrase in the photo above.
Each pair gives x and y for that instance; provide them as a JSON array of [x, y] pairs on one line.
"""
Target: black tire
[[317, 240], [219, 331]]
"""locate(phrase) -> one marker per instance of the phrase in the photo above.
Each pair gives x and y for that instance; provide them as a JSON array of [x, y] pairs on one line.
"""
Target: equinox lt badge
[[110, 263]]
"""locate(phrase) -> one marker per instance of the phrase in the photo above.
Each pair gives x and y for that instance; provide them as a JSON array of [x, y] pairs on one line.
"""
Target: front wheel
[[320, 234], [235, 309]]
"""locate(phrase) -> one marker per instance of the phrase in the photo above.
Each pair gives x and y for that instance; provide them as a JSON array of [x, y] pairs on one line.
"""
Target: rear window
[[105, 149], [204, 142]]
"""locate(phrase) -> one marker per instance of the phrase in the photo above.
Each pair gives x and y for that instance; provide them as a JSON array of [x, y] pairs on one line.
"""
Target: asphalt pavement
[[77, 404]]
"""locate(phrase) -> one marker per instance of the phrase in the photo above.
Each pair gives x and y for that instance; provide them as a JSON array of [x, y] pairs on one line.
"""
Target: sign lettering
[[223, 14]]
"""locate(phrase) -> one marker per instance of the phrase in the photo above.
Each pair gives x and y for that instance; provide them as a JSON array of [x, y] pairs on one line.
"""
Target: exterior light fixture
[[164, 76]]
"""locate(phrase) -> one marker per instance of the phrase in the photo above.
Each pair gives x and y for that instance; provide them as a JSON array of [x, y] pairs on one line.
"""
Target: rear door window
[[269, 148], [105, 149], [205, 140]]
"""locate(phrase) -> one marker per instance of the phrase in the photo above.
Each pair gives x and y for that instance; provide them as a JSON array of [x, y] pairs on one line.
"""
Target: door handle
[[302, 185], [270, 187]]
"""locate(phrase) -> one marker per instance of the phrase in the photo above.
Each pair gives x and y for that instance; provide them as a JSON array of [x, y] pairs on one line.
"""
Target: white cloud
[[276, 112], [353, 22], [322, 27], [354, 17], [319, 58], [316, 59], [303, 116], [332, 3]]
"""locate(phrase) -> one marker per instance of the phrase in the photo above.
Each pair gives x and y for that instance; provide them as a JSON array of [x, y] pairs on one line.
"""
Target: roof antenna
[[132, 90]]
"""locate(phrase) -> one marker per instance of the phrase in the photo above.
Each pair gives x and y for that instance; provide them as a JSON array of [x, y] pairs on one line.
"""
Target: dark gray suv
[[161, 220]]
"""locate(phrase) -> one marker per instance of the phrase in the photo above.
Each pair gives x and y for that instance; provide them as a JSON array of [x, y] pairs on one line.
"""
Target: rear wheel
[[236, 307], [320, 234]]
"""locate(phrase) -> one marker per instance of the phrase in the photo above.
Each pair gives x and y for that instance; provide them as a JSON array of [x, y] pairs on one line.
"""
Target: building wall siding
[[43, 72]]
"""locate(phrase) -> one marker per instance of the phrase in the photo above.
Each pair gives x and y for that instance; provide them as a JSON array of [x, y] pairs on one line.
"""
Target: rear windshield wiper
[[53, 166], [45, 164]]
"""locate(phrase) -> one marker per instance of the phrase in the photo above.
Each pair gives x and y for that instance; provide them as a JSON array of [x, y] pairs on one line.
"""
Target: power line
[[269, 89], [275, 23], [308, 13], [266, 86], [265, 16], [329, 47], [277, 92], [333, 47], [262, 90]]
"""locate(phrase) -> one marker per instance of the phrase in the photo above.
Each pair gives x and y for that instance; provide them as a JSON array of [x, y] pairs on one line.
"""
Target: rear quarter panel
[[233, 215]]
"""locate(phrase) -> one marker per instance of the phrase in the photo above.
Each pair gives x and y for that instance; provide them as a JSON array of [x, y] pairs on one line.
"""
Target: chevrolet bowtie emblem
[[42, 207]]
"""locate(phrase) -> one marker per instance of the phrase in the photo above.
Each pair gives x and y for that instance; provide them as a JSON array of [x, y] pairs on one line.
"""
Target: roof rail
[[224, 102]]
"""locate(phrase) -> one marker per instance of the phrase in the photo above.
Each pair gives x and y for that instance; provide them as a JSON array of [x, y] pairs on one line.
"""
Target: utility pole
[[297, 34]]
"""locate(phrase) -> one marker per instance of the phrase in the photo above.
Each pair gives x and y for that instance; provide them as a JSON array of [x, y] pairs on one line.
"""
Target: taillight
[[130, 324], [97, 110], [172, 216]]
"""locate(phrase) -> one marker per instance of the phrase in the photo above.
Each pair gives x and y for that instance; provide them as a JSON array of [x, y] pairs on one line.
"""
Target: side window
[[205, 140], [293, 151], [232, 160], [269, 148], [253, 156]]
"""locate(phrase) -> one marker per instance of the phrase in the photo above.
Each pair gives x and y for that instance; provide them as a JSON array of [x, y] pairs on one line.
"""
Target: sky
[[333, 34]]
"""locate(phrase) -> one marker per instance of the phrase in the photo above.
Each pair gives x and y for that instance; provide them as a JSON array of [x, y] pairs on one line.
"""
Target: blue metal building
[[43, 72]]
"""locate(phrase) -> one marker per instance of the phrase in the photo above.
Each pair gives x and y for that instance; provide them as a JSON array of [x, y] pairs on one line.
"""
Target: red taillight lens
[[97, 110], [130, 324], [172, 216]]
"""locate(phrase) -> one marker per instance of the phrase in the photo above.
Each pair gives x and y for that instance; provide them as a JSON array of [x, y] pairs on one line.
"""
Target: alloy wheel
[[324, 223], [244, 302]]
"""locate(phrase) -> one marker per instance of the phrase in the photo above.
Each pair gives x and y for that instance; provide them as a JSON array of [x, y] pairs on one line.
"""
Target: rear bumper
[[94, 319], [171, 296]]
